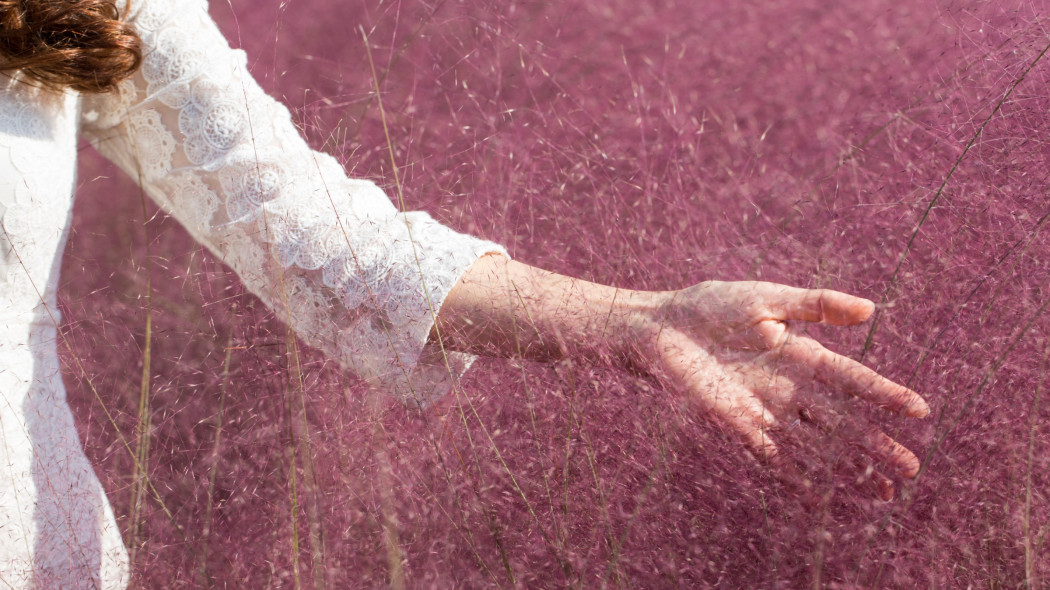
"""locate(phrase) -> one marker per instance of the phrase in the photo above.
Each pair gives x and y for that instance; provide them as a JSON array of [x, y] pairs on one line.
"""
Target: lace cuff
[[357, 278]]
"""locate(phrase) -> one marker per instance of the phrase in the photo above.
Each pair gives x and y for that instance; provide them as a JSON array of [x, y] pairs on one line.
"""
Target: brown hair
[[81, 44]]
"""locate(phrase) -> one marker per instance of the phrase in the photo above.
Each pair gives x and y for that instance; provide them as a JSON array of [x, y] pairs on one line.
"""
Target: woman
[[398, 299]]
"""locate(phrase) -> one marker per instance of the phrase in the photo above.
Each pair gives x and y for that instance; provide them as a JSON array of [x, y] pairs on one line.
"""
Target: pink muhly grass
[[643, 144]]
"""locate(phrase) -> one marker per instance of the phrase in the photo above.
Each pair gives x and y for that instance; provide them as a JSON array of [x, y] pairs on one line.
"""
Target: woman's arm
[[733, 350], [504, 308], [352, 274], [361, 280]]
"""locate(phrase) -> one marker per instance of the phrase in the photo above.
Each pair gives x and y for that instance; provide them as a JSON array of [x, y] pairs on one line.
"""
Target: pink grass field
[[892, 149]]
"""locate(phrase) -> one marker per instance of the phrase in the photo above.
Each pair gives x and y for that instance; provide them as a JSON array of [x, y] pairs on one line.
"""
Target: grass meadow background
[[892, 149]]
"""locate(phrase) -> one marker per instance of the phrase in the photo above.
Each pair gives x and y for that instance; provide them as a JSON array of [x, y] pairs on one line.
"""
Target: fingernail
[[919, 410], [886, 491]]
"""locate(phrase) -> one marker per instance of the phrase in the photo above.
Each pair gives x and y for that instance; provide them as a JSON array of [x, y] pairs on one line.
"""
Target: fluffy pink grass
[[644, 144]]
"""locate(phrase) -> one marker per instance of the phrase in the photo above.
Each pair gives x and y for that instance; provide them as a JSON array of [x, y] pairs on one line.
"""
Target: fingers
[[882, 449], [792, 477], [828, 436], [869, 478], [825, 459], [872, 441], [724, 397], [750, 395], [848, 375], [817, 305], [754, 426], [741, 412]]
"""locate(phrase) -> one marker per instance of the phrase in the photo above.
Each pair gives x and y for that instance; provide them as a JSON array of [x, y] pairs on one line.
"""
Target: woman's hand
[[734, 350]]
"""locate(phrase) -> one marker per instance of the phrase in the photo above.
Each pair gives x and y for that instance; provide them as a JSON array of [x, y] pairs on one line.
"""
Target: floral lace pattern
[[332, 255], [358, 278]]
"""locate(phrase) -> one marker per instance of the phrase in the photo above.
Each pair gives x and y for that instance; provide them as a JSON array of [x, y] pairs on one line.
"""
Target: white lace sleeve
[[332, 255]]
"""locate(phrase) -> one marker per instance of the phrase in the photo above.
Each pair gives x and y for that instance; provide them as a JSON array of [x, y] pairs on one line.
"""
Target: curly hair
[[79, 44]]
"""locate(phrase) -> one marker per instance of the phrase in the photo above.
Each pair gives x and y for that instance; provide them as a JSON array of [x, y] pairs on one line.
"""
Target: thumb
[[819, 305]]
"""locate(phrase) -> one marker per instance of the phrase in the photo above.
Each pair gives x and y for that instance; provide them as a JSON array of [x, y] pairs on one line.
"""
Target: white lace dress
[[355, 277]]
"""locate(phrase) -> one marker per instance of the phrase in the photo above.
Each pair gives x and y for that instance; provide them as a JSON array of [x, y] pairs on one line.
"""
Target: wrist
[[508, 309], [633, 327]]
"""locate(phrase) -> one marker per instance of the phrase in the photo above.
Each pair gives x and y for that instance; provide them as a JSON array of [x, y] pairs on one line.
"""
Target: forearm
[[507, 309]]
